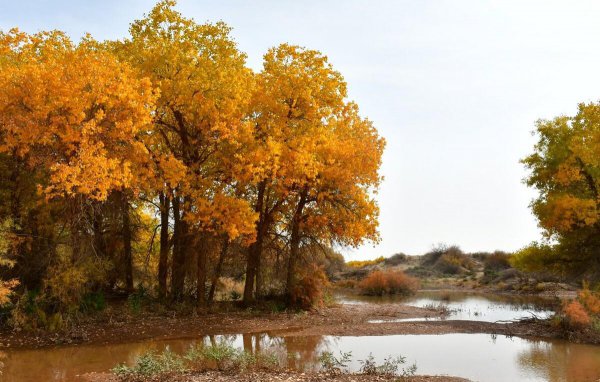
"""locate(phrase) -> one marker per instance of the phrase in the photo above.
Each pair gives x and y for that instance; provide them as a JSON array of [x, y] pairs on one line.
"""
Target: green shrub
[[221, 356], [92, 301], [32, 311], [334, 365], [136, 299], [389, 368], [151, 363]]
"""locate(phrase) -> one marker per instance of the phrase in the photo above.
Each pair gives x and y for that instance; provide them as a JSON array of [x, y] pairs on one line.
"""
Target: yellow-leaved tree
[[205, 91], [299, 163], [70, 118], [565, 169]]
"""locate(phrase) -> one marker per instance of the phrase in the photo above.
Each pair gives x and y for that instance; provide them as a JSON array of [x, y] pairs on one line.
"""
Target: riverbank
[[339, 320]]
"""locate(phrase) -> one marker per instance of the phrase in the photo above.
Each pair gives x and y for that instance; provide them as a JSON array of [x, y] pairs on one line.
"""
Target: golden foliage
[[365, 263], [205, 89], [74, 109], [173, 110], [6, 290], [590, 300], [564, 168]]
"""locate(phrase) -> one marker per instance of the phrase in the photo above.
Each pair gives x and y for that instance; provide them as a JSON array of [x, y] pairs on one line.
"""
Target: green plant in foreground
[[92, 301], [151, 363], [389, 367], [136, 299], [223, 356], [332, 364]]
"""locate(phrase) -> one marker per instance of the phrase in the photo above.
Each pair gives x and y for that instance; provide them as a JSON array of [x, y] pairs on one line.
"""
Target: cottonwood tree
[[565, 169], [293, 161], [205, 90], [103, 144], [69, 117]]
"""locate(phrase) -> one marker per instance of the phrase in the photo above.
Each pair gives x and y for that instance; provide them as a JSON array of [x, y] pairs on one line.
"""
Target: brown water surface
[[479, 357]]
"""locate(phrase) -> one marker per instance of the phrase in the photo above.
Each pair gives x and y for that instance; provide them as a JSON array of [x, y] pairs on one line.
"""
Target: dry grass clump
[[396, 259], [448, 260], [229, 289], [497, 261], [454, 262], [379, 283]]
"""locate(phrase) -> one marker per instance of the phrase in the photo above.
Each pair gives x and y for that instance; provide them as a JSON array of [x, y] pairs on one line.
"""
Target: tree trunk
[[253, 255], [179, 250], [126, 233], [259, 279], [247, 343], [163, 262], [257, 344], [255, 249], [98, 227], [201, 273], [294, 246], [217, 274]]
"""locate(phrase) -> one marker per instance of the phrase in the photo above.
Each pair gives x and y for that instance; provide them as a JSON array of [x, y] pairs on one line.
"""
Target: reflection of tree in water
[[297, 352], [561, 361], [303, 351], [3, 356]]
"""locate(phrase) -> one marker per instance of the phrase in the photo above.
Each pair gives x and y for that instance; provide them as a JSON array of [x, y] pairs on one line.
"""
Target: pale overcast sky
[[454, 86]]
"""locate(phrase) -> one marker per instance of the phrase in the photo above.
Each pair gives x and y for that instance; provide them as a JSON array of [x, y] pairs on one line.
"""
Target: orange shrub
[[310, 289], [590, 300], [379, 283], [576, 314]]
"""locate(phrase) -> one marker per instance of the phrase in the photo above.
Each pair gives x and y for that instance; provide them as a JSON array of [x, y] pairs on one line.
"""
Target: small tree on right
[[565, 169]]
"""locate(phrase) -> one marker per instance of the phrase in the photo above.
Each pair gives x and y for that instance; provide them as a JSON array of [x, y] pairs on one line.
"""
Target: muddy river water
[[468, 305], [479, 357]]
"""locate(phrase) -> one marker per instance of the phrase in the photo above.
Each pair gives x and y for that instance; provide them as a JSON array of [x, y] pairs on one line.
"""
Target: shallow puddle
[[467, 305], [479, 357]]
